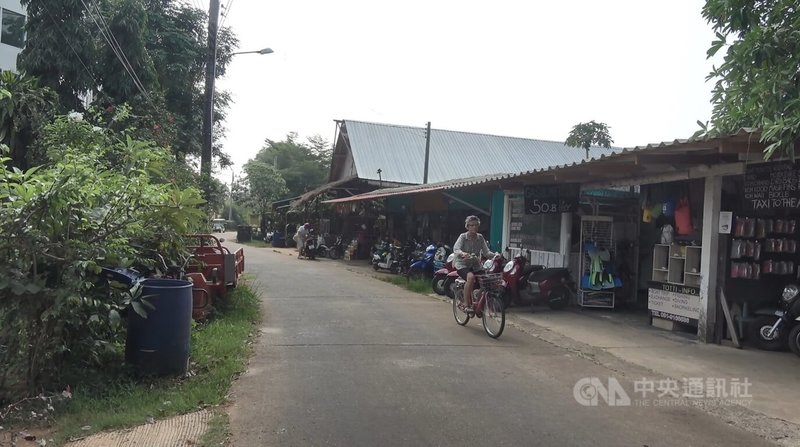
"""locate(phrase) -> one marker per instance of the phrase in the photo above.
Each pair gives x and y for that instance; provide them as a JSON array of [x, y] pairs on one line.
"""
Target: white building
[[12, 34]]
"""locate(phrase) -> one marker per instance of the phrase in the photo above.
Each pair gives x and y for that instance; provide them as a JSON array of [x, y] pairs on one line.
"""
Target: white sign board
[[725, 222], [669, 303]]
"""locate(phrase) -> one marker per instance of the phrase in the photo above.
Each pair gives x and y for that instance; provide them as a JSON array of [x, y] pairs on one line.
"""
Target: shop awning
[[387, 192], [310, 195]]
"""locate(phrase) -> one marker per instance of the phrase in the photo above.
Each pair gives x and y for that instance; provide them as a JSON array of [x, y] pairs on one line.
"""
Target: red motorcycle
[[494, 265], [441, 282], [535, 284]]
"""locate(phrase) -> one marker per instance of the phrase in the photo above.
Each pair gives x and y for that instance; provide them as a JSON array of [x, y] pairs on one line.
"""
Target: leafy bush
[[102, 198]]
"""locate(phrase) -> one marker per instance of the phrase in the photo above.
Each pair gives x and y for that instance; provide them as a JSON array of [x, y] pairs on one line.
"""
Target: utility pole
[[427, 152], [230, 208], [211, 70]]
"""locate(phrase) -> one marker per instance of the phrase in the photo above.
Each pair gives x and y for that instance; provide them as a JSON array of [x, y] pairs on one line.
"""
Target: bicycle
[[488, 305]]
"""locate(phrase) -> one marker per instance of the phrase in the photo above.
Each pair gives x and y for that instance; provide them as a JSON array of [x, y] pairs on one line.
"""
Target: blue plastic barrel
[[278, 239], [159, 344]]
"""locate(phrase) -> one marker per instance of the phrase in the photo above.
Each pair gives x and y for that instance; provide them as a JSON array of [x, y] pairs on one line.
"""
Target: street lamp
[[208, 116], [261, 51]]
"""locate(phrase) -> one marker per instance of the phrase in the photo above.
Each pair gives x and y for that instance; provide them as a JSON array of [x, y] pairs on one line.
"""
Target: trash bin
[[159, 344], [278, 240], [244, 233]]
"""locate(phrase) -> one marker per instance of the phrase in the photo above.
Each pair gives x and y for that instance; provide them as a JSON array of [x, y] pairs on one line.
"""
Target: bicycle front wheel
[[494, 316], [460, 315]]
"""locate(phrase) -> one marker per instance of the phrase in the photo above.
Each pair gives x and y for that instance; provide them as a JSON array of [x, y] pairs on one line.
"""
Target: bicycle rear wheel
[[494, 316], [458, 308]]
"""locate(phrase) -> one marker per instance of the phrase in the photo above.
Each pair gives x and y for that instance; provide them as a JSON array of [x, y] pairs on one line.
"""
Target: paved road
[[346, 360]]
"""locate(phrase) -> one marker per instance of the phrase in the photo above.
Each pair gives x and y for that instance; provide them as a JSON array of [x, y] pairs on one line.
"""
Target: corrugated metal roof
[[678, 144], [399, 152]]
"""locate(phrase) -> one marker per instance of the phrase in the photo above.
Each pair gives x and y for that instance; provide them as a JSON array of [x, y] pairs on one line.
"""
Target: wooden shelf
[[676, 264]]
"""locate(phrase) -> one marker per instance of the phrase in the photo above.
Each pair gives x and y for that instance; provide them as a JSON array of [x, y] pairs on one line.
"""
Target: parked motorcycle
[[423, 266], [442, 256], [773, 328], [309, 249], [535, 284], [322, 247], [441, 282], [336, 251], [388, 257]]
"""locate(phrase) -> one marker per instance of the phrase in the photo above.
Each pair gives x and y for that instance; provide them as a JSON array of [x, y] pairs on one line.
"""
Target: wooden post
[[708, 259]]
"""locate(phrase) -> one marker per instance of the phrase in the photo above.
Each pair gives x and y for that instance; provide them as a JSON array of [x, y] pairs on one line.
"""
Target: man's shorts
[[463, 272]]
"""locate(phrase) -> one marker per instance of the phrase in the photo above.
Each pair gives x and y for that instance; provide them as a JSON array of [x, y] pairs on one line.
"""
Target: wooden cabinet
[[677, 264]]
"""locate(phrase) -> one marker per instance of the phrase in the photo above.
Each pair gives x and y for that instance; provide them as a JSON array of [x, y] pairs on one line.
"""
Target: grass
[[218, 433], [422, 286], [219, 352]]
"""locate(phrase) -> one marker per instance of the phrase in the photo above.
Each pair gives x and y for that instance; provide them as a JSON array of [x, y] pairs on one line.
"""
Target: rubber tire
[[767, 345], [794, 339], [437, 284], [559, 305], [335, 253], [448, 287], [497, 304], [375, 266], [457, 313]]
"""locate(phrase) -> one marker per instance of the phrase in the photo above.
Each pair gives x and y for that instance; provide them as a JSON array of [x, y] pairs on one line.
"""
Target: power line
[[108, 36], [137, 80], [91, 75]]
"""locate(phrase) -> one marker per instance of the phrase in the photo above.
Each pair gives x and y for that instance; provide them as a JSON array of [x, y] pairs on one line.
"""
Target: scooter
[[309, 249], [441, 282], [387, 257], [336, 250], [322, 247], [535, 284], [774, 327], [442, 256], [423, 266]]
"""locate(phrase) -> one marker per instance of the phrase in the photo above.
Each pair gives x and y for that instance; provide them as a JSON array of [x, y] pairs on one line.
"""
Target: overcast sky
[[529, 69]]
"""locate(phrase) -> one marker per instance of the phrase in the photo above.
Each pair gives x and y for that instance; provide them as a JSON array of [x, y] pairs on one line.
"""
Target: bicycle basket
[[491, 282]]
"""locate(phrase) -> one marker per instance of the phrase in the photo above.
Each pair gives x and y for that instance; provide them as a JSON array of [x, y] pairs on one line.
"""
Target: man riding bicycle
[[468, 250]]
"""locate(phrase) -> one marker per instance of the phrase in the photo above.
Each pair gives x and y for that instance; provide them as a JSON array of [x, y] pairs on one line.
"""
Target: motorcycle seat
[[547, 273], [532, 268]]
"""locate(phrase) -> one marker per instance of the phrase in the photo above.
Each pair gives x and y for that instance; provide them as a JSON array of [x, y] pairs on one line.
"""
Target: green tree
[[163, 41], [302, 166], [758, 83], [23, 112], [265, 185], [586, 135], [100, 195]]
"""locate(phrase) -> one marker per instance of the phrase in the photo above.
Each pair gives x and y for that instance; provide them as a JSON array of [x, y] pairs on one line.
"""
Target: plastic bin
[[244, 233], [278, 240], [159, 344]]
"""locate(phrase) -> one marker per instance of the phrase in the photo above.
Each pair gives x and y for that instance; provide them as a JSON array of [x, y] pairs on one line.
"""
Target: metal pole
[[230, 207], [211, 69], [427, 152]]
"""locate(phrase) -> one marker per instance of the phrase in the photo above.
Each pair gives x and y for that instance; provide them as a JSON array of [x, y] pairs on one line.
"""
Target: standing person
[[468, 250], [300, 237]]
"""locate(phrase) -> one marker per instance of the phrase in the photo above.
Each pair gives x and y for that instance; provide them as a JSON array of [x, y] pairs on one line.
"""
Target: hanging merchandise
[[668, 208], [683, 218], [647, 215], [656, 210]]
